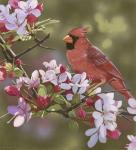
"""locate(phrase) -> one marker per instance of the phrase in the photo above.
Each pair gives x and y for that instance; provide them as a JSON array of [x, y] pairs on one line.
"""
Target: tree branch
[[31, 48]]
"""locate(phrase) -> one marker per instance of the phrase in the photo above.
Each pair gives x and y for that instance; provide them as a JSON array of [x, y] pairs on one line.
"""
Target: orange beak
[[68, 39]]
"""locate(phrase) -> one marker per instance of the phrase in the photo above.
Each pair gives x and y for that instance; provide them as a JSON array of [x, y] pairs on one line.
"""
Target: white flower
[[34, 81], [17, 21], [78, 85], [96, 134], [4, 12], [106, 111], [104, 118], [52, 65], [132, 144], [48, 76], [132, 107], [30, 7]]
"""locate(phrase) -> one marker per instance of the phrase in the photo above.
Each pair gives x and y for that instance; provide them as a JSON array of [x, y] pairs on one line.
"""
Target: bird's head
[[74, 35]]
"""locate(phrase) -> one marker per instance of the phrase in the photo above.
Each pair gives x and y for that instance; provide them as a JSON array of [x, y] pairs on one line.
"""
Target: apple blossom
[[17, 21], [132, 107], [12, 90], [52, 65], [21, 112], [3, 73], [132, 144], [104, 119], [30, 7], [13, 3], [78, 85], [34, 81]]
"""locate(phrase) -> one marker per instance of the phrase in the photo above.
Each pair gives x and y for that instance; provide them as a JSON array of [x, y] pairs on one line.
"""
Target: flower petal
[[132, 102], [65, 86], [98, 105], [131, 110], [19, 121], [93, 140], [90, 132], [12, 110]]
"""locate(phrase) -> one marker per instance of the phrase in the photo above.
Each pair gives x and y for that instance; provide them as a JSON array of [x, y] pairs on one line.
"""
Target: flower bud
[[12, 90], [113, 134], [43, 102], [89, 102], [3, 74], [40, 7], [2, 27], [8, 67], [62, 69], [18, 62], [31, 19], [81, 113], [56, 89]]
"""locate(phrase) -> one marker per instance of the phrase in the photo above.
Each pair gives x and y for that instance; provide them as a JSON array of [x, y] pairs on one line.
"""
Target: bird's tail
[[119, 85]]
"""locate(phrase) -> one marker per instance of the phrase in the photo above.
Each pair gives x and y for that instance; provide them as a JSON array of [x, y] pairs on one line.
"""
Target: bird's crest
[[79, 31]]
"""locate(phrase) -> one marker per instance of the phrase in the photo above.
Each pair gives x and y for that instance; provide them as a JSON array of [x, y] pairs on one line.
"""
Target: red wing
[[102, 62]]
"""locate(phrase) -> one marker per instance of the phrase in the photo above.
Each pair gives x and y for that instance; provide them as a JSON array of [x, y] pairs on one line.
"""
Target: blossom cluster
[[17, 15], [7, 70], [45, 86], [55, 89]]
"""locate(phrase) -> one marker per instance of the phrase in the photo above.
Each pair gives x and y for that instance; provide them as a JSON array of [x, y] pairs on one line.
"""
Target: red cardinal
[[83, 56]]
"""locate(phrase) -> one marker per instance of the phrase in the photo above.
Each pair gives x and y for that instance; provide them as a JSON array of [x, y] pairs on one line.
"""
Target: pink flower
[[132, 144], [3, 74], [12, 90], [21, 112], [113, 134], [30, 7], [17, 21], [13, 3]]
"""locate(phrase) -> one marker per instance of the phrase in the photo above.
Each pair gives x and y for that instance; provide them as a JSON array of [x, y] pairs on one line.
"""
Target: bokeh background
[[113, 29]]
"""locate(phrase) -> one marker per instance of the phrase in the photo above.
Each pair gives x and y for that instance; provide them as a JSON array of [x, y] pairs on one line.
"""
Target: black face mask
[[71, 45]]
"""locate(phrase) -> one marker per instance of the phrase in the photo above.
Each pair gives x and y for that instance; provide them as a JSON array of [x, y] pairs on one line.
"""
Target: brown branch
[[31, 48]]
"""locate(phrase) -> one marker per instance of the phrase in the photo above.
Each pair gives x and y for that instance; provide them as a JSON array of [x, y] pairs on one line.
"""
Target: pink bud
[[90, 102], [12, 90], [113, 134], [81, 113], [3, 74], [43, 102], [2, 27], [18, 62], [62, 69], [40, 7], [31, 19], [13, 3], [56, 88]]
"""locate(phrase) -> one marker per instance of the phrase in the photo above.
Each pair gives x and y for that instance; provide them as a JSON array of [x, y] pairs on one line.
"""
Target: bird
[[84, 56]]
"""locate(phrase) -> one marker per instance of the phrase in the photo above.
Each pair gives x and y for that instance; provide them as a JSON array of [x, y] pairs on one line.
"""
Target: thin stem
[[31, 48]]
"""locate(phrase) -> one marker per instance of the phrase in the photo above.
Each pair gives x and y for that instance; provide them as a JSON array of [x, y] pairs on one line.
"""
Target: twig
[[31, 48]]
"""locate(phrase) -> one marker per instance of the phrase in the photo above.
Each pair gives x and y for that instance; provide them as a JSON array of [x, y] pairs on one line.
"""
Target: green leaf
[[18, 72], [42, 91], [72, 114], [73, 125], [49, 88], [42, 114], [76, 99], [55, 107], [60, 99]]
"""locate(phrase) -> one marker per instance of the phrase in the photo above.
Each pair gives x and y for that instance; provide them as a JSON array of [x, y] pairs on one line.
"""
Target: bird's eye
[[73, 36]]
